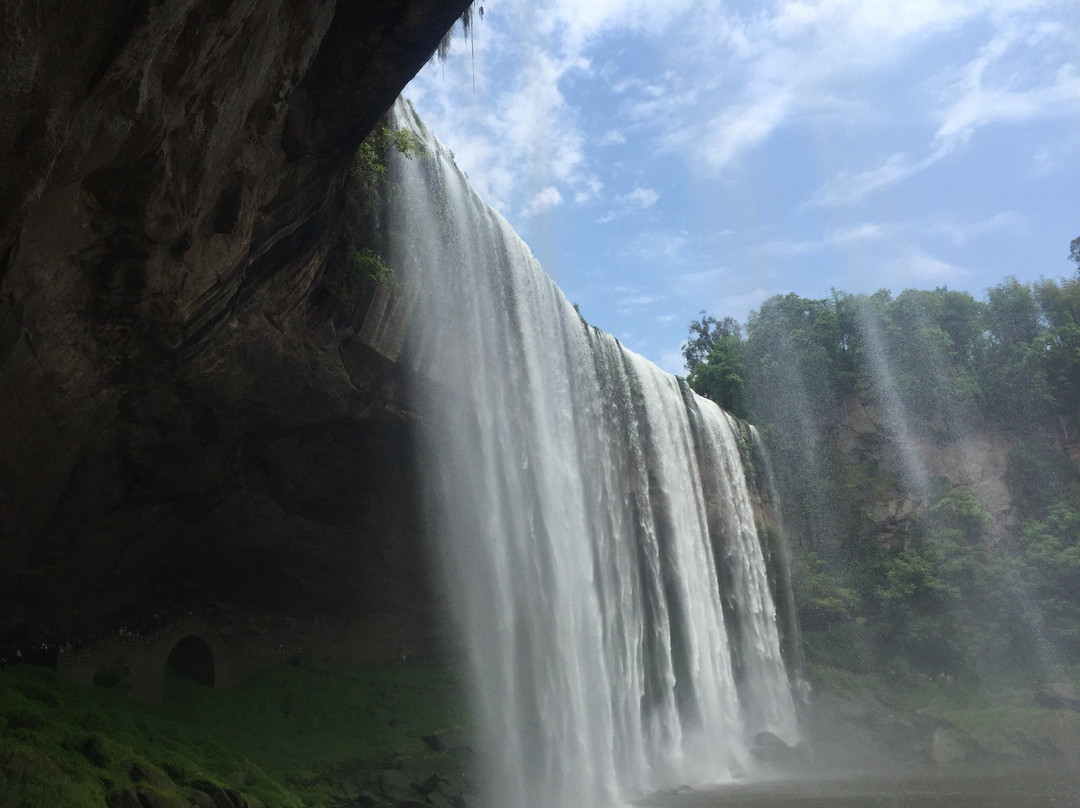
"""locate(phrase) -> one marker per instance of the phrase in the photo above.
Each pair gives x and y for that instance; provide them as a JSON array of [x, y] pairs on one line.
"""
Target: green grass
[[271, 737]]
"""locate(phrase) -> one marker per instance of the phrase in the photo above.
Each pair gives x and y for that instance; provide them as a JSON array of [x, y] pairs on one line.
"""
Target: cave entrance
[[191, 659]]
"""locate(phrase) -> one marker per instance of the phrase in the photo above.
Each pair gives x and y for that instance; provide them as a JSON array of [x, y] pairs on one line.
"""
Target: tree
[[1074, 253], [703, 336], [1058, 346], [722, 377], [1012, 381], [1052, 566]]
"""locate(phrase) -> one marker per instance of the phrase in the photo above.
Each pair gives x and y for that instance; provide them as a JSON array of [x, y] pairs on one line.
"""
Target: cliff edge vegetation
[[925, 449]]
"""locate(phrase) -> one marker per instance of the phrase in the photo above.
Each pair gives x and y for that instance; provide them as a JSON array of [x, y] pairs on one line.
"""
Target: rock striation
[[184, 426]]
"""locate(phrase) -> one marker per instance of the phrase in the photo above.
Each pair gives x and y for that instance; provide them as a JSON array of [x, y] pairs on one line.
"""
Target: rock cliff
[[184, 425], [975, 461]]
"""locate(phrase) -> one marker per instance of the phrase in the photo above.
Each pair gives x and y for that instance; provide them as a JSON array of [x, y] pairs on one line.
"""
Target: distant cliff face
[[183, 427], [975, 462]]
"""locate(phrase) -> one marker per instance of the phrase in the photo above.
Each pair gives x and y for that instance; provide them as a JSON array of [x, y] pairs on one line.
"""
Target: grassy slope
[[65, 745], [1003, 720]]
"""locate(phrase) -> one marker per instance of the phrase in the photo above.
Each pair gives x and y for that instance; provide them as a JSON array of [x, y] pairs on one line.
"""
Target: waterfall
[[594, 527]]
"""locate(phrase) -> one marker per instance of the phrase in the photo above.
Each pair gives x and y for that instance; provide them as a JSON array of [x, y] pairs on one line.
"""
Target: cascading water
[[597, 541]]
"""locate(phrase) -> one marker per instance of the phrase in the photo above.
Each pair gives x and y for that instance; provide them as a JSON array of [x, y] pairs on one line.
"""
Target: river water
[[1002, 787]]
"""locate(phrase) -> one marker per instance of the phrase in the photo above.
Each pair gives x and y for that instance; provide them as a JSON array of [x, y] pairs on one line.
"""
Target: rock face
[[184, 424], [976, 463]]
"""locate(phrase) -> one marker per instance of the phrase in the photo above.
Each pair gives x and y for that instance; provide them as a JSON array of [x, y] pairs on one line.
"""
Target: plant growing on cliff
[[368, 169], [362, 270], [443, 49], [357, 267]]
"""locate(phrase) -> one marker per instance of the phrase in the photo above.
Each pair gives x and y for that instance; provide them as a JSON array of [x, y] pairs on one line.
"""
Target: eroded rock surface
[[184, 423]]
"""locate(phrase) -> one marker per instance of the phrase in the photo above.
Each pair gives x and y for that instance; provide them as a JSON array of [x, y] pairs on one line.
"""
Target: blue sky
[[666, 157]]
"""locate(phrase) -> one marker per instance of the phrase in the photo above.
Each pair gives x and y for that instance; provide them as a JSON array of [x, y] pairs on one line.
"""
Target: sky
[[664, 158]]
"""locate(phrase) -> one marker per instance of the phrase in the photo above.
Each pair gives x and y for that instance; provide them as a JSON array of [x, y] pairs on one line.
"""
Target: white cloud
[[798, 62], [543, 201], [848, 189], [630, 304], [723, 292], [839, 237], [639, 198], [579, 21], [516, 135], [1051, 158], [979, 105], [518, 138], [592, 190], [917, 266], [741, 129], [673, 362], [740, 305], [573, 97], [960, 233], [658, 246], [732, 80], [1018, 76], [693, 282]]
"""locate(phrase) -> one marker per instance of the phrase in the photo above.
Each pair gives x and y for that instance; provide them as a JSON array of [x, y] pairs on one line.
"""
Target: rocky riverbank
[[859, 722]]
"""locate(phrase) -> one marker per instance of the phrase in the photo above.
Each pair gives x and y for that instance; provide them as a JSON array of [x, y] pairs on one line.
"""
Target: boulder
[[945, 748], [141, 772], [447, 740], [1057, 696], [771, 749], [123, 799]]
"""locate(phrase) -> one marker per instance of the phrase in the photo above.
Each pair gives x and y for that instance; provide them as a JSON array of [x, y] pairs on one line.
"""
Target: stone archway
[[192, 659]]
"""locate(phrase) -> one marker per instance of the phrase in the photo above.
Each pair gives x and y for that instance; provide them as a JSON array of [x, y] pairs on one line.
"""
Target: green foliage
[[1051, 560], [1038, 475], [467, 22], [915, 605], [962, 512], [1013, 383], [721, 377], [368, 169], [68, 746], [822, 599], [1000, 718], [348, 281], [704, 334], [357, 268], [948, 357], [1058, 345], [927, 341], [947, 591]]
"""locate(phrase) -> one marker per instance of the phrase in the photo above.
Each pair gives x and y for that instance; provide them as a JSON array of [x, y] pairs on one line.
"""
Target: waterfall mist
[[952, 426], [596, 537]]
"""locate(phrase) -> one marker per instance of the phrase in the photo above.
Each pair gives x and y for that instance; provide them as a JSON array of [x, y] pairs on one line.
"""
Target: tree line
[[945, 590]]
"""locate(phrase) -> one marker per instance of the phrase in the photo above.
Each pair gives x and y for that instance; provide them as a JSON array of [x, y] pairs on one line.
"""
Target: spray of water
[[913, 466], [957, 428]]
